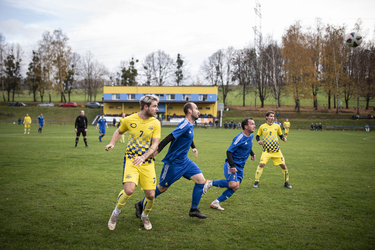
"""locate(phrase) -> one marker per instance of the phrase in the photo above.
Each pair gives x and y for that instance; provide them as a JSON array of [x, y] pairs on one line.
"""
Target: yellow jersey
[[286, 125], [141, 133], [269, 134], [27, 120], [121, 119]]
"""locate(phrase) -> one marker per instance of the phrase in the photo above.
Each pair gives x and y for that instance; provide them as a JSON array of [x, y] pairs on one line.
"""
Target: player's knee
[[283, 166], [234, 185], [261, 165], [150, 196]]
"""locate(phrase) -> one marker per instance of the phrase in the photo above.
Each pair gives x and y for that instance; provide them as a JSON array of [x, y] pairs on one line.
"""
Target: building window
[[202, 97], [186, 97], [131, 96], [170, 107], [160, 95], [208, 108], [115, 96], [111, 107], [130, 107], [170, 97], [118, 107]]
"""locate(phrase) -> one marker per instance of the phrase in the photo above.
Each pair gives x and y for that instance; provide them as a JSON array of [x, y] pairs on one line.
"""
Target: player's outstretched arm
[[115, 137], [195, 150]]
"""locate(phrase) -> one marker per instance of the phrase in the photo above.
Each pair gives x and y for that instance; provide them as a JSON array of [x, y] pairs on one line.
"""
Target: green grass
[[53, 196]]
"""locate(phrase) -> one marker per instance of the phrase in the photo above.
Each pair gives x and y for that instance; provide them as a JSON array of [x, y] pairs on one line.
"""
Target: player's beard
[[194, 117], [149, 114]]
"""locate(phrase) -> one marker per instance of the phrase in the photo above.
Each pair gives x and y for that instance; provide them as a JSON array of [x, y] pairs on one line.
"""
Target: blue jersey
[[102, 123], [178, 150], [40, 120], [240, 148]]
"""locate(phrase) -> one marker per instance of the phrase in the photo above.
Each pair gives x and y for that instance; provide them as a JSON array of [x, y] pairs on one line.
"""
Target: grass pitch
[[53, 196]]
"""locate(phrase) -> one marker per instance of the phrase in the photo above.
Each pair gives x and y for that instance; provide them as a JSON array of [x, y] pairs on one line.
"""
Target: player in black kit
[[81, 127]]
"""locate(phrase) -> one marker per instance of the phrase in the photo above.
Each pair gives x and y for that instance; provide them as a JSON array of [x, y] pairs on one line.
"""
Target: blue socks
[[197, 195], [225, 195], [220, 183]]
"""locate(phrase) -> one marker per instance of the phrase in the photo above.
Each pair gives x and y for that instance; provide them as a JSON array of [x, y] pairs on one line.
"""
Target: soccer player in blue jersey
[[41, 123], [102, 123], [177, 164], [237, 155], [144, 136], [271, 148]]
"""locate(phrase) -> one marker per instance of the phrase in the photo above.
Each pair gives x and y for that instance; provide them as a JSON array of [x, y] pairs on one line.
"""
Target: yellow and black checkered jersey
[[270, 134], [141, 133], [286, 124], [27, 120]]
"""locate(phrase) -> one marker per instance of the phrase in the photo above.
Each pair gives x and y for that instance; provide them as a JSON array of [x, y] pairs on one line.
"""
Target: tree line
[[308, 61]]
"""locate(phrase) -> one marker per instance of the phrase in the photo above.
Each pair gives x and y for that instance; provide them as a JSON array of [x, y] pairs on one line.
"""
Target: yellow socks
[[285, 174], [122, 199], [258, 173], [147, 206]]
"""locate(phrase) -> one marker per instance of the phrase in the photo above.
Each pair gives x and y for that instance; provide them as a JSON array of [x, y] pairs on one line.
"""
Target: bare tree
[[220, 70], [46, 53], [2, 56], [159, 66]]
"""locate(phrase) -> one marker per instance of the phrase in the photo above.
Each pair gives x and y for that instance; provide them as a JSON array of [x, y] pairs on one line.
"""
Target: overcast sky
[[117, 30]]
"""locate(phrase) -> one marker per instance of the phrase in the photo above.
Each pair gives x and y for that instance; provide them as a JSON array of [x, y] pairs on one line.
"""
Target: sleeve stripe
[[238, 139], [183, 124]]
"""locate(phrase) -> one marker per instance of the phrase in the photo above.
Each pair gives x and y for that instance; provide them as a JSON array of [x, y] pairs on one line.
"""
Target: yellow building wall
[[160, 90]]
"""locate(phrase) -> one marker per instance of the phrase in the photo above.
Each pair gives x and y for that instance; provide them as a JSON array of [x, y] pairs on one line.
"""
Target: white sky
[[116, 30]]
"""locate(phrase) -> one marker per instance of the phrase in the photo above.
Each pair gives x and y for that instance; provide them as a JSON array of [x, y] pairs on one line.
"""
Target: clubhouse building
[[125, 99]]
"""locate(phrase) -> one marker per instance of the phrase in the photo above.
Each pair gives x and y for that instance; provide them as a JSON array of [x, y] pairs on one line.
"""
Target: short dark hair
[[269, 112], [245, 122], [187, 106], [102, 114]]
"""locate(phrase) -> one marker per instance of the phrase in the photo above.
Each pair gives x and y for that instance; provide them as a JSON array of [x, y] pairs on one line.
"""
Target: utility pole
[[257, 39]]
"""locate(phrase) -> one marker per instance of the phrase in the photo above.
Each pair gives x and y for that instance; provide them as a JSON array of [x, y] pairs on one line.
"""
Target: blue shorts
[[41, 125], [171, 174], [232, 177], [102, 131]]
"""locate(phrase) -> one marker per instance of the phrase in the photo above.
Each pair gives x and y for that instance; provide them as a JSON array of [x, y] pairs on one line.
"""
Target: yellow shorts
[[145, 174], [27, 125], [286, 130], [277, 158]]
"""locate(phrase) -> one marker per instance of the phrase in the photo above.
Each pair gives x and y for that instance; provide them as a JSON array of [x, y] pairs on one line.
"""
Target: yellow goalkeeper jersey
[[269, 135], [286, 124], [27, 120], [141, 133]]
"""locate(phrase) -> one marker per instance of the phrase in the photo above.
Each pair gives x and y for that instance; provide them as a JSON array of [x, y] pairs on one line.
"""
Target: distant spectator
[[367, 127], [316, 126], [312, 126], [205, 125], [320, 127], [225, 125], [216, 123], [234, 125], [114, 121], [19, 121], [210, 124], [239, 125]]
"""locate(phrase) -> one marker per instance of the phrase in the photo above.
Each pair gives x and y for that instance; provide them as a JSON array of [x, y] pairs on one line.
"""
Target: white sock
[[117, 211], [144, 215]]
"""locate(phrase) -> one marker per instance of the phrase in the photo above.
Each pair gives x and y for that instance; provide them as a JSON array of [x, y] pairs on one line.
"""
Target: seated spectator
[[239, 125], [210, 124], [216, 123], [205, 125], [367, 127], [230, 124], [316, 126], [320, 127], [234, 125], [312, 126], [225, 125]]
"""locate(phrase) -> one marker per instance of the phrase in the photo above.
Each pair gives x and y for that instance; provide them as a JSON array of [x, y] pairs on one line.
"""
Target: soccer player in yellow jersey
[[27, 123], [286, 125], [144, 136], [271, 149], [121, 120]]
